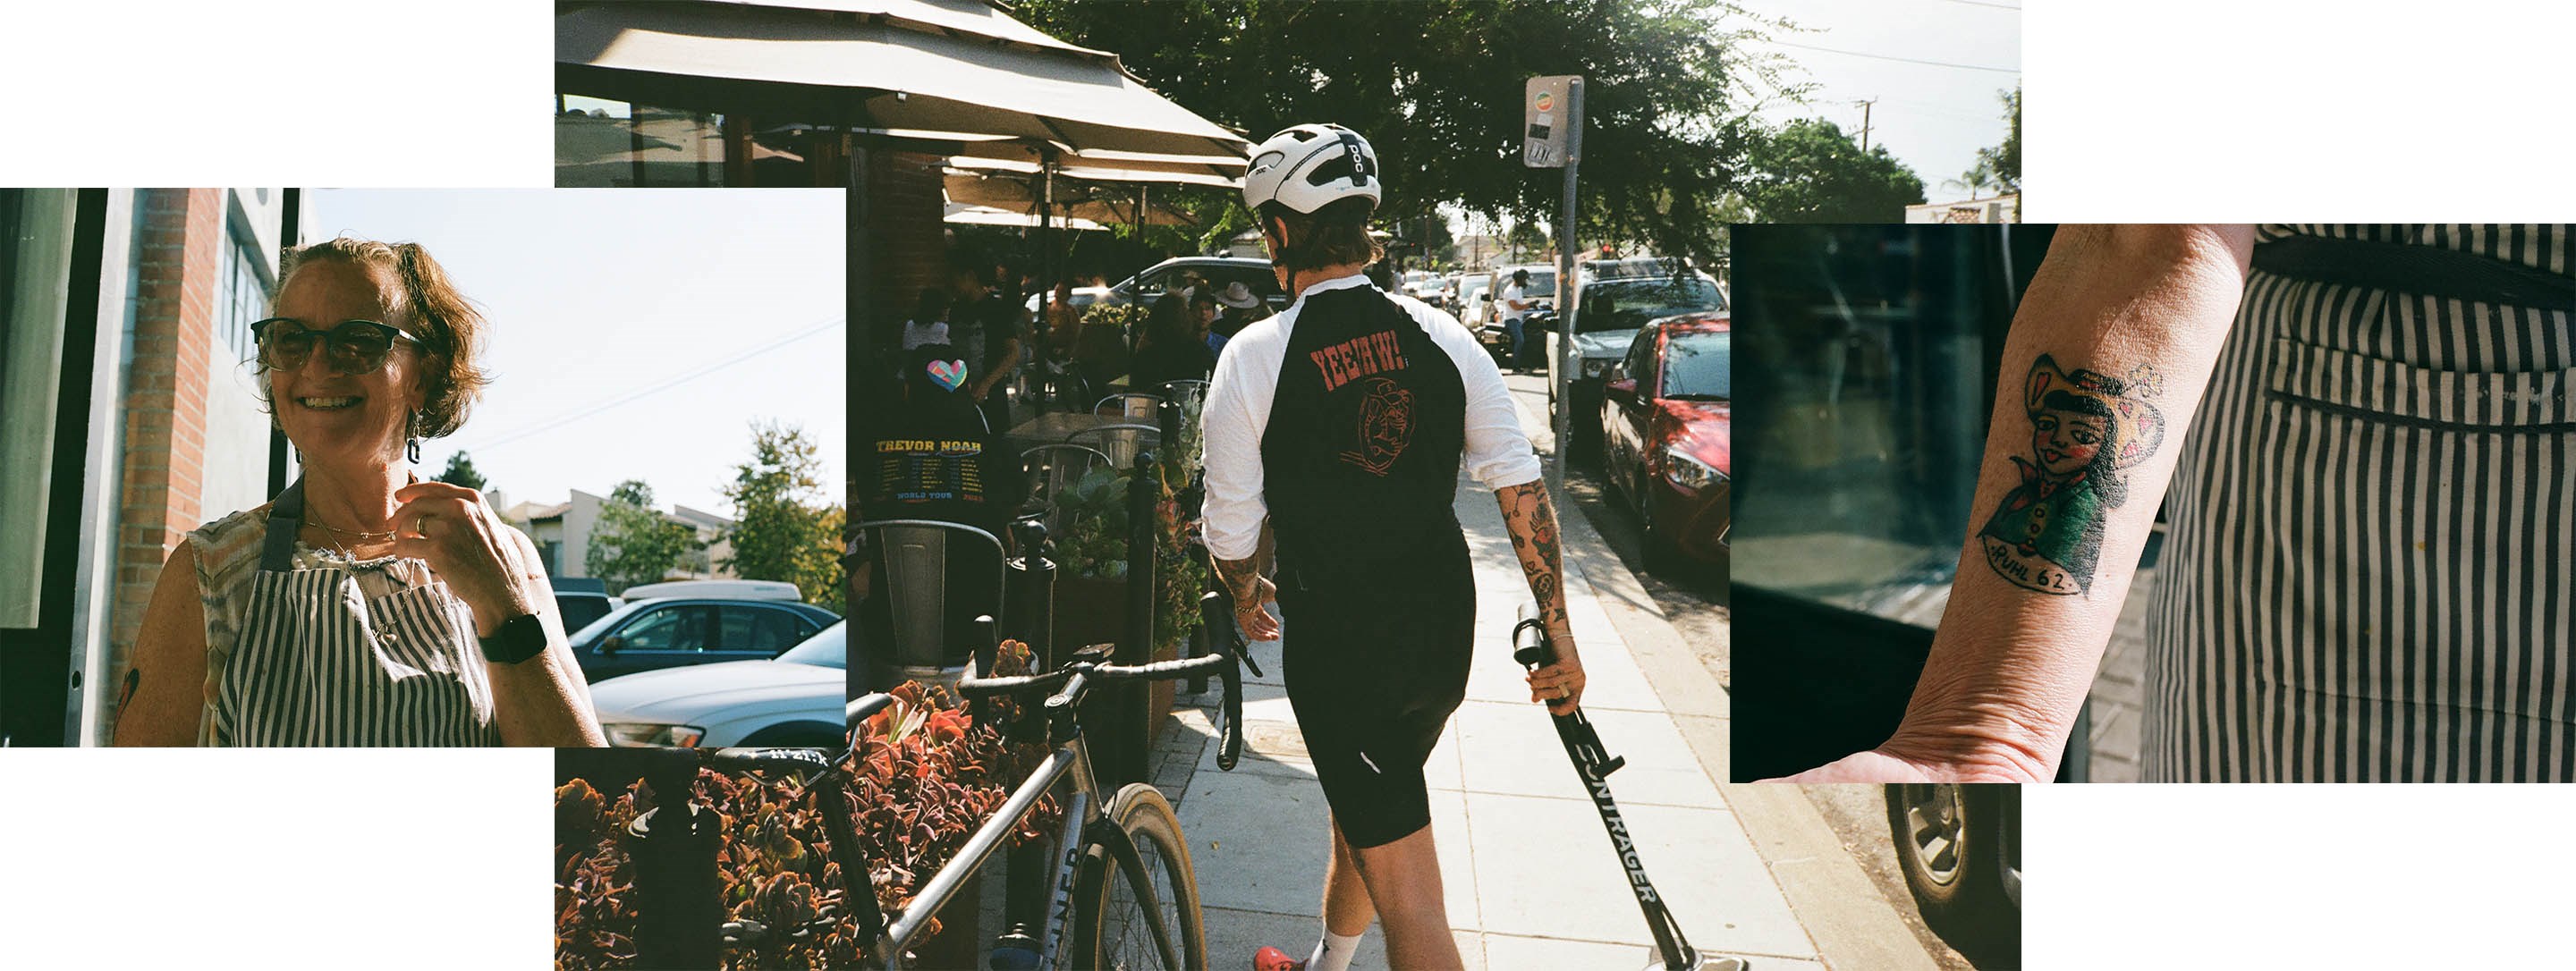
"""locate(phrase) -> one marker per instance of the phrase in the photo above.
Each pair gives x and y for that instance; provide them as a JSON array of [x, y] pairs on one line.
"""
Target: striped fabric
[[334, 652], [2369, 576]]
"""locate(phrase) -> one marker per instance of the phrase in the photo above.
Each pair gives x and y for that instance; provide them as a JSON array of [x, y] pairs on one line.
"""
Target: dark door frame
[[37, 677]]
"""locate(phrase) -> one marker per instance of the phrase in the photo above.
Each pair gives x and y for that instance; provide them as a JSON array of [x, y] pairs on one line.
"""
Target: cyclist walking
[[1344, 423]]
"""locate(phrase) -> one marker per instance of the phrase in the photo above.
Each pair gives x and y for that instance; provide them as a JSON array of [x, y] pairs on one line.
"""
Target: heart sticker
[[949, 374]]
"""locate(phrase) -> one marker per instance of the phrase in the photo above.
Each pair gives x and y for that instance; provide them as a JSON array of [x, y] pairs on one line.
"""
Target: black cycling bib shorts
[[1360, 459]]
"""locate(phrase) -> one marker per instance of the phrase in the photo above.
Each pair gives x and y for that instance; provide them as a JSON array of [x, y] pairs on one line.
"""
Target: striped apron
[[2373, 520], [321, 663]]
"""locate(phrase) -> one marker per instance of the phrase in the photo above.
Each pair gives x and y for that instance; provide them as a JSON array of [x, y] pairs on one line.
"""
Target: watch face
[[516, 640]]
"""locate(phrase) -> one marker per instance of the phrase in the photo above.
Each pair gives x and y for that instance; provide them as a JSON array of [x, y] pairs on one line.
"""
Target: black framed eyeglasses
[[352, 347]]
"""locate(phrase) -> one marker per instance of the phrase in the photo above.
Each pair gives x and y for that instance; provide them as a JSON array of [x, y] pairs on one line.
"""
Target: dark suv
[[671, 632]]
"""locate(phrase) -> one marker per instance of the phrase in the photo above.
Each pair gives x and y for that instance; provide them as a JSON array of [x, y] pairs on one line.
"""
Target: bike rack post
[[679, 912], [1120, 743]]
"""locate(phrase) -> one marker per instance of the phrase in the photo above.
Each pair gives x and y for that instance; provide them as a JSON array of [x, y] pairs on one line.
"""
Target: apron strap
[[285, 519], [2427, 270]]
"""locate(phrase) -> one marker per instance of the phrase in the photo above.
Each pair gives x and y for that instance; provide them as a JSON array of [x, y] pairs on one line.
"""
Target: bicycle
[[1122, 890]]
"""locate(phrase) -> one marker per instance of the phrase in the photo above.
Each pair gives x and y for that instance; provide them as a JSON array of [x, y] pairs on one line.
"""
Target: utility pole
[[1556, 141], [1864, 124]]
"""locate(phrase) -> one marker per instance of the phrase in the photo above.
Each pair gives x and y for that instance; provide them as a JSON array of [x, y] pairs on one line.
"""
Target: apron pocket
[[2394, 392]]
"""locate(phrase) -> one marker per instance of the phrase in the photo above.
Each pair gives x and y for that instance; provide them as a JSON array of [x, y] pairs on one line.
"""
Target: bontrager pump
[[1594, 763]]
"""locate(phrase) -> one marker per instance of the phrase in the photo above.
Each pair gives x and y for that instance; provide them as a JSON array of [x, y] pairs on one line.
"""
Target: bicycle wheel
[[1137, 900]]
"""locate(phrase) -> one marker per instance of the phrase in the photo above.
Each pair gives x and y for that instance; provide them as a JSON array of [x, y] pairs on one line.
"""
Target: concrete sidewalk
[[1530, 877]]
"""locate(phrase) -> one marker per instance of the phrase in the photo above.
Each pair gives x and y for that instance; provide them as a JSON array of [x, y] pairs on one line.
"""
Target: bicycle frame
[[979, 849], [1086, 822]]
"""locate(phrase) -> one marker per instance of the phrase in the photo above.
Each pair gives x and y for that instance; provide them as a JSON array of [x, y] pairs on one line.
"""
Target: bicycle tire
[[1145, 843]]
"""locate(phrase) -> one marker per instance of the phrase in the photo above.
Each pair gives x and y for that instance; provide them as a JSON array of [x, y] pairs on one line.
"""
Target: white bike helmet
[[1306, 167]]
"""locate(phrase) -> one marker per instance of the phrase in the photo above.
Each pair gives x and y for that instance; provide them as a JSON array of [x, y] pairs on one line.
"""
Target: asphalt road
[[1693, 598]]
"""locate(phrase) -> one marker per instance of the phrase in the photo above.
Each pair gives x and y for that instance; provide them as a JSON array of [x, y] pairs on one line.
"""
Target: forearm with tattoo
[[2087, 430], [1531, 519], [1242, 579]]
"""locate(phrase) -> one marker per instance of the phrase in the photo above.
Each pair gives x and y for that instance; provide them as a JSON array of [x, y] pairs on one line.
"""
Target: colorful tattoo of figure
[[2087, 429]]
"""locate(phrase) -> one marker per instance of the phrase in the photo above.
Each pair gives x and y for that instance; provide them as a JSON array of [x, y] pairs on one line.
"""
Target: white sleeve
[[1498, 448], [1235, 414]]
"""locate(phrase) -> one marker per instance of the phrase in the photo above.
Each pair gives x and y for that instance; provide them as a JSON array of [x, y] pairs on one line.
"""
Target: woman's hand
[[1560, 684], [1881, 766], [1256, 621], [469, 548]]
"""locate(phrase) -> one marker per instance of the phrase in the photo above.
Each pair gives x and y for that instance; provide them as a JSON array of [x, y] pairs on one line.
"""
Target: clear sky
[[598, 296], [1934, 119]]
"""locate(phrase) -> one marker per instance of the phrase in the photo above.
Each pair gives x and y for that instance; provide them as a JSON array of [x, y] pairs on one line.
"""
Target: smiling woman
[[362, 606]]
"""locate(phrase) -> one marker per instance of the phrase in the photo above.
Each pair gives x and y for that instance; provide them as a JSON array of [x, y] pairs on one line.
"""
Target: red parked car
[[1664, 419]]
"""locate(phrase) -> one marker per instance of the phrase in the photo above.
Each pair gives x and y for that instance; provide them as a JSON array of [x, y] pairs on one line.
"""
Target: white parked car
[[794, 700], [727, 589]]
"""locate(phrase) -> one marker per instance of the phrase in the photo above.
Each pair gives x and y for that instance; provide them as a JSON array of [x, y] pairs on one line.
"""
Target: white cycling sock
[[1334, 952]]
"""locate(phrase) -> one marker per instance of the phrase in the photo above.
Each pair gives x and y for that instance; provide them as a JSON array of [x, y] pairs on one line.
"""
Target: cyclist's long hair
[[1333, 235]]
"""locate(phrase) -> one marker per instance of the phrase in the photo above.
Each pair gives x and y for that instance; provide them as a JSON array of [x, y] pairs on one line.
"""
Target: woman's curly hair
[[449, 329]]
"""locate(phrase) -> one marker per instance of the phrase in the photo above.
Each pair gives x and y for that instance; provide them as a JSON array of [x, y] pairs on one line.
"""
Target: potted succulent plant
[[925, 777]]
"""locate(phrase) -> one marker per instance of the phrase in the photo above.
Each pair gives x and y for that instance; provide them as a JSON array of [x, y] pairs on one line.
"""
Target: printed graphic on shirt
[[1386, 426], [930, 469], [1357, 358]]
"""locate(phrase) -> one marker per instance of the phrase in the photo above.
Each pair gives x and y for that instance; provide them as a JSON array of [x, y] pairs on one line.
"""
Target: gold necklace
[[359, 535]]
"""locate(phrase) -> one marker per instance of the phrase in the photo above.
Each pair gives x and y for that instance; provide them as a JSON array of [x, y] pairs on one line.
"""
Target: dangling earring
[[413, 447]]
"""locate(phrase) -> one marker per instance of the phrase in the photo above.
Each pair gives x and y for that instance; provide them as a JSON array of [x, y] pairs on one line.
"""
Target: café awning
[[1099, 204], [939, 70], [969, 215]]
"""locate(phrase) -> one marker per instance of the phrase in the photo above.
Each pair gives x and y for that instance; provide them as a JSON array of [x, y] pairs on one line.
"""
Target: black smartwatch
[[517, 639]]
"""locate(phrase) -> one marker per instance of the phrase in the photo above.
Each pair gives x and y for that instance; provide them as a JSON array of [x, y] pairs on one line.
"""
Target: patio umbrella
[[931, 69], [956, 71]]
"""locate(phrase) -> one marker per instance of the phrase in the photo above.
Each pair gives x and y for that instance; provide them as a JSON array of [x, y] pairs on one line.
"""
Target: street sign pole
[[1560, 372]]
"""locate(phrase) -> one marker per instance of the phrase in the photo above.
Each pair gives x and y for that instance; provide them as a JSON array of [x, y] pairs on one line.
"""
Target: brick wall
[[909, 241], [178, 260]]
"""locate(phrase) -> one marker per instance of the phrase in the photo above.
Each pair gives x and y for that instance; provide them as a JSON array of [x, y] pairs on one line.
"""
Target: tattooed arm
[[1531, 519], [165, 684], [1243, 581], [2105, 364]]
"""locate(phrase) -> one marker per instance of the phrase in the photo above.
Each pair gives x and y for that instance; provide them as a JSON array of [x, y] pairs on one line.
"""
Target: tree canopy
[[634, 544], [2004, 161], [783, 527], [1816, 174], [460, 471], [1436, 87]]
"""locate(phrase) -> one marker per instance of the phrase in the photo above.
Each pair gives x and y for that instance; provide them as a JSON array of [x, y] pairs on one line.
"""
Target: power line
[[553, 423], [1907, 60], [1983, 3]]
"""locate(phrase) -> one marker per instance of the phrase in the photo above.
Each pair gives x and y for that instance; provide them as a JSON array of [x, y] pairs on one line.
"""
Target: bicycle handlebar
[[1066, 686]]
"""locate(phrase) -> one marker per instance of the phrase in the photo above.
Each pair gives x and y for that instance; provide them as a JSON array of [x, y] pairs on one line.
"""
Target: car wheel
[[1959, 847]]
